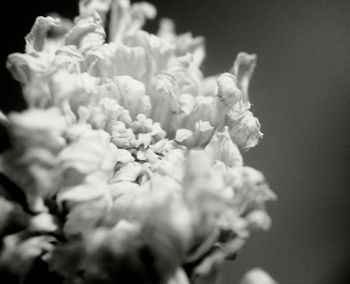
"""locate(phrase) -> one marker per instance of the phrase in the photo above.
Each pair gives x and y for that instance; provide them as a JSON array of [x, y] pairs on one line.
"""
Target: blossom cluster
[[126, 166]]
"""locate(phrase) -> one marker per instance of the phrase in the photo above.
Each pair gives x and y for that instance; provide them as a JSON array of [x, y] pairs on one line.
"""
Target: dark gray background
[[300, 93]]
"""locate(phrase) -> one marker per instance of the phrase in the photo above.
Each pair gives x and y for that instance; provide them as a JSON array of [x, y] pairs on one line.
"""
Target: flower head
[[131, 149]]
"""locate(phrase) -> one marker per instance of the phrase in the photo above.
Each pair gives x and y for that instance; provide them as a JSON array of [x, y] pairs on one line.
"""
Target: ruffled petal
[[100, 6], [164, 102], [188, 76], [91, 154], [243, 68], [36, 39], [129, 172], [131, 94], [85, 214], [24, 68], [185, 43], [112, 60], [37, 137], [252, 192], [158, 50], [244, 130], [127, 19], [69, 58], [87, 33], [223, 149]]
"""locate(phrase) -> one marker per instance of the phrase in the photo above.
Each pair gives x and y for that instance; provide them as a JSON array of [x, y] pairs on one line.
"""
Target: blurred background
[[301, 94]]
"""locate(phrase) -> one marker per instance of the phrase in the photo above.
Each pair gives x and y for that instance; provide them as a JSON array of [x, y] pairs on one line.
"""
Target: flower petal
[[132, 96], [158, 50], [36, 39], [101, 6], [257, 276], [24, 67], [243, 68], [87, 33], [127, 19], [91, 154], [244, 130], [112, 59], [223, 149]]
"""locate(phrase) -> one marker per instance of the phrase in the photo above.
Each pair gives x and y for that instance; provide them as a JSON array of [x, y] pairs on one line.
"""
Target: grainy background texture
[[300, 92]]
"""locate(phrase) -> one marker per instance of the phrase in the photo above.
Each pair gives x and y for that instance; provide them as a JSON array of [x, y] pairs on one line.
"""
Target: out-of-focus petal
[[82, 193], [24, 67], [258, 220], [101, 6], [209, 86], [166, 30], [84, 217], [223, 149], [257, 276], [78, 89], [118, 20], [43, 222], [201, 180], [38, 128], [129, 172], [172, 164], [37, 137], [12, 217], [127, 19], [252, 192], [119, 189], [179, 277], [91, 154], [138, 14], [19, 252], [243, 68]]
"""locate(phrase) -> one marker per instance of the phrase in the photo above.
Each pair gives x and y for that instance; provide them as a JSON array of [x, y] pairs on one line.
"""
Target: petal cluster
[[128, 160]]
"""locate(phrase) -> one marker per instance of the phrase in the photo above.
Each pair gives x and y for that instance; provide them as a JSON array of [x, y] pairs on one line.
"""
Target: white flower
[[133, 149]]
